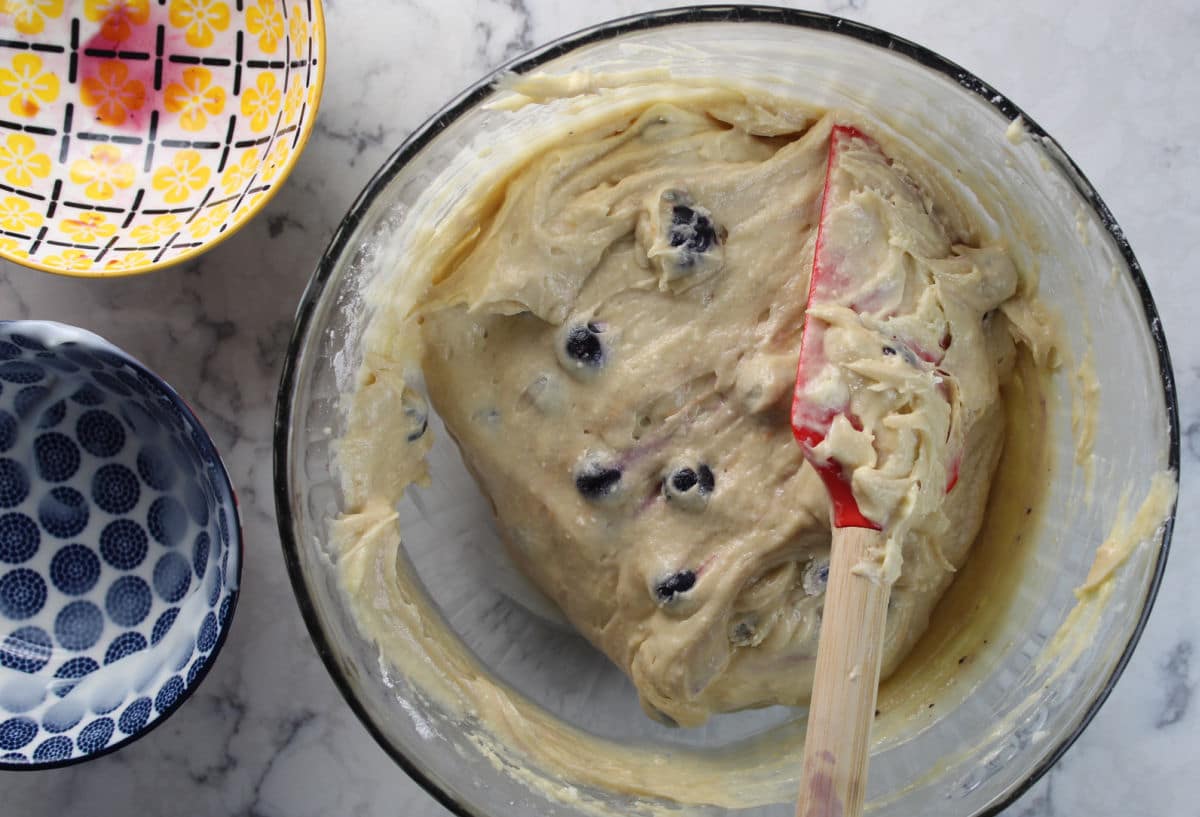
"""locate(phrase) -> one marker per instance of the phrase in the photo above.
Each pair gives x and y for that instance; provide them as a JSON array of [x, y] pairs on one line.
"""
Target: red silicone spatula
[[836, 745]]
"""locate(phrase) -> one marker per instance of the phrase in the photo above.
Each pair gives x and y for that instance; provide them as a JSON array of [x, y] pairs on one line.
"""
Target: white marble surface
[[267, 733]]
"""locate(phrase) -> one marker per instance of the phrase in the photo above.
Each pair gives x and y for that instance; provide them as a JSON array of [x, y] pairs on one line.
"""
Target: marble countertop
[[267, 733]]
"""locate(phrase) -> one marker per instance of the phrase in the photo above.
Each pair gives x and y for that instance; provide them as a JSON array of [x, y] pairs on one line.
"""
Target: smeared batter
[[615, 353], [385, 440]]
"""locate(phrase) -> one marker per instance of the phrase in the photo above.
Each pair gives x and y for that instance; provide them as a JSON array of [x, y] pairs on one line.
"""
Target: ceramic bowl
[[120, 547], [137, 133]]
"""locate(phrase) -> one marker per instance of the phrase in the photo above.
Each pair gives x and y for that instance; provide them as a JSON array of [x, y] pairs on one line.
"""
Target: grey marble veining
[[267, 734]]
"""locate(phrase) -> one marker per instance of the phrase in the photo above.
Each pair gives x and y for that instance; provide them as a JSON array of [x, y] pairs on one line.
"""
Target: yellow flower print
[[265, 21], [88, 228], [20, 161], [276, 160], [196, 98], [118, 17], [113, 93], [211, 219], [293, 100], [237, 174], [314, 95], [29, 16], [12, 247], [250, 206], [156, 231], [17, 216], [187, 173], [103, 173], [315, 31], [200, 19], [261, 102], [26, 84], [127, 261], [72, 259], [297, 30]]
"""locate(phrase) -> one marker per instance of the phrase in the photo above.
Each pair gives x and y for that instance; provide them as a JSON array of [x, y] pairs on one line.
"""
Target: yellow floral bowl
[[137, 133]]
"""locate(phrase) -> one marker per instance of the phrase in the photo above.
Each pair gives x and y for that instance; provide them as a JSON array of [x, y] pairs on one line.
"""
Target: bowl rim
[[251, 212], [236, 524], [471, 96]]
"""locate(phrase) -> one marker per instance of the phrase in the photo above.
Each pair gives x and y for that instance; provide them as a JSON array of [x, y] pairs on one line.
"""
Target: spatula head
[[843, 276]]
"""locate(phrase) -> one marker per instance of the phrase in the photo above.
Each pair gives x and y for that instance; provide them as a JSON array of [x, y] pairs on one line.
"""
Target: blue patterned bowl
[[120, 547]]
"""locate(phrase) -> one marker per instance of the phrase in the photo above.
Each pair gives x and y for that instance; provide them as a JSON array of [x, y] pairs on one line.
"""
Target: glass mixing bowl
[[1027, 691]]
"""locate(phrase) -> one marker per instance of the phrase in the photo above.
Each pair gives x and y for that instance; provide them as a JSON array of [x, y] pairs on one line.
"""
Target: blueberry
[[903, 351], [583, 345], [692, 229], [747, 632], [688, 486], [687, 249], [416, 413], [815, 577], [596, 480], [673, 585], [684, 479]]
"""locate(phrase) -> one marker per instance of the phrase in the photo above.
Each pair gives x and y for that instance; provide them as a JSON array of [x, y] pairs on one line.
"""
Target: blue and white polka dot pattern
[[119, 547]]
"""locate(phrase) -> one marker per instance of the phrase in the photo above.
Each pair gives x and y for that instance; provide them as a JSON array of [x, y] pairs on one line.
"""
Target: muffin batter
[[423, 252], [614, 350]]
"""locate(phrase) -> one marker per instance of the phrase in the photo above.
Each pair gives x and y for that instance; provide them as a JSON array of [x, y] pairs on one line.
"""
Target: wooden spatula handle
[[834, 776]]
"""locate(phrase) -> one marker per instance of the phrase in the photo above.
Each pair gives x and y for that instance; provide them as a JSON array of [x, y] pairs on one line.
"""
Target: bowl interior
[[138, 133], [993, 726], [119, 546]]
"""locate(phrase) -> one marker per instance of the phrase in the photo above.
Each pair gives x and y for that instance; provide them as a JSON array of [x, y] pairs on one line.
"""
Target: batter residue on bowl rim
[[696, 335]]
